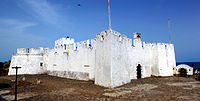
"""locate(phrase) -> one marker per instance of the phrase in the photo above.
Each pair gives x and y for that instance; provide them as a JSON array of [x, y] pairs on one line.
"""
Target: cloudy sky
[[38, 23]]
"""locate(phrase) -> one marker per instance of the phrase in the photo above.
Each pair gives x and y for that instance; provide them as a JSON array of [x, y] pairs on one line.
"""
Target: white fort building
[[110, 60]]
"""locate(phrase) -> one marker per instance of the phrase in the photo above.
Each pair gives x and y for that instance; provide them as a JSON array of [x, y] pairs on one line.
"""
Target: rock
[[23, 79], [38, 81]]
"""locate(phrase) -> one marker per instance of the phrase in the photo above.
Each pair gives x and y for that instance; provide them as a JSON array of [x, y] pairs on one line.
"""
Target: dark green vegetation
[[197, 69], [4, 66]]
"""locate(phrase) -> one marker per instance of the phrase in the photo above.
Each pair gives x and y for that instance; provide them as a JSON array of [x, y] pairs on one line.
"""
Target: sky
[[38, 23]]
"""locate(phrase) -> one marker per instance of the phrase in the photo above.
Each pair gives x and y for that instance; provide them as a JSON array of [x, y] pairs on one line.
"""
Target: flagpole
[[109, 14], [169, 31]]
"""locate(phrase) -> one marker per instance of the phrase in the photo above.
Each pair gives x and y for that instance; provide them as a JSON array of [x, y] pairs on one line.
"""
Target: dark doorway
[[182, 72], [139, 74]]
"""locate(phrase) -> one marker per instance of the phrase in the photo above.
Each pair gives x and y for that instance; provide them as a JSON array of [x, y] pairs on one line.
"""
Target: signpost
[[16, 82]]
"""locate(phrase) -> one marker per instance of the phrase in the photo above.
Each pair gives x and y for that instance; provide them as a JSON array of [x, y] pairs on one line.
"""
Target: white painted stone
[[111, 59], [188, 68]]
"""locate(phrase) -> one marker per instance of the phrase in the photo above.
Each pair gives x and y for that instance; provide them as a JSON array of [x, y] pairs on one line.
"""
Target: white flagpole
[[109, 14]]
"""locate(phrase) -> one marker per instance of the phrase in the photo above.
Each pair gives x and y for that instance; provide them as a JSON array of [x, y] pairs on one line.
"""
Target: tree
[[6, 64], [1, 66]]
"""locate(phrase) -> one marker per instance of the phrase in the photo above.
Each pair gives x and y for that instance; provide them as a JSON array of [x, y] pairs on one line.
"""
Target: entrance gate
[[182, 72], [139, 74]]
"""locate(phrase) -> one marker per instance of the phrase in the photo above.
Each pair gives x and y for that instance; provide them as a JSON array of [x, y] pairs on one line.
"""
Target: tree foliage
[[4, 65]]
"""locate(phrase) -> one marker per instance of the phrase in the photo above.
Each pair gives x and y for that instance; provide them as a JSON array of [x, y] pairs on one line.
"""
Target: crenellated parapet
[[137, 40], [64, 41], [78, 46], [32, 51], [157, 45]]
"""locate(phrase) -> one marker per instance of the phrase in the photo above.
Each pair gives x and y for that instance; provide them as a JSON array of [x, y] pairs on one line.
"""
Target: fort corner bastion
[[110, 60]]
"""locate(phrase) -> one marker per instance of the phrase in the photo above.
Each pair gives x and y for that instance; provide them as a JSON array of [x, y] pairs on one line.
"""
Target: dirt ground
[[49, 88]]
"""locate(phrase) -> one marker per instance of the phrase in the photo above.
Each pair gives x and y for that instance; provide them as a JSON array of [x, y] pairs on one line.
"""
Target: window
[[41, 64], [65, 46], [66, 53], [56, 53], [120, 38], [86, 65], [138, 36], [102, 38]]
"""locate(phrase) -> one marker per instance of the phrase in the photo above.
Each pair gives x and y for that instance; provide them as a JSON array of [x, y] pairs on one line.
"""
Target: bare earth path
[[61, 89]]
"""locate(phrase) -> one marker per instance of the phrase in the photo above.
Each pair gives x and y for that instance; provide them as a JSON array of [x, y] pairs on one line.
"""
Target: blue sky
[[38, 23]]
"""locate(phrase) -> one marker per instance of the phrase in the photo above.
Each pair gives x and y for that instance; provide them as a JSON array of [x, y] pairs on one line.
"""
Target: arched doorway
[[182, 72], [139, 74]]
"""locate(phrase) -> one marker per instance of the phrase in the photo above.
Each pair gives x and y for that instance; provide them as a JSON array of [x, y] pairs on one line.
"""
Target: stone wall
[[110, 60], [31, 64], [70, 74], [103, 59], [120, 62], [186, 67], [75, 57], [162, 58]]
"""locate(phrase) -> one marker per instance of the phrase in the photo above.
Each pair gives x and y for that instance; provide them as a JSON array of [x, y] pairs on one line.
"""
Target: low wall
[[70, 74]]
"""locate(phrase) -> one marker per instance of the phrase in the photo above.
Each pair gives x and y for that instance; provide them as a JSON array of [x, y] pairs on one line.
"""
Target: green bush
[[1, 66], [4, 65]]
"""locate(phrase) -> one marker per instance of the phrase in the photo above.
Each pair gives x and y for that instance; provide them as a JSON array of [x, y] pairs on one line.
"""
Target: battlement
[[118, 34], [136, 35], [83, 43], [89, 44], [21, 51], [64, 41], [157, 45], [106, 32], [32, 50]]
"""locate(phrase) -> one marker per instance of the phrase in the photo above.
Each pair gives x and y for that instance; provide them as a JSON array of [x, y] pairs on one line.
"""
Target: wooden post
[[16, 81]]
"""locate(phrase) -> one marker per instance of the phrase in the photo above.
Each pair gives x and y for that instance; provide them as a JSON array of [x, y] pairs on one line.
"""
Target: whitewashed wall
[[103, 59], [162, 58], [78, 58], [120, 70], [29, 61], [110, 60], [188, 68]]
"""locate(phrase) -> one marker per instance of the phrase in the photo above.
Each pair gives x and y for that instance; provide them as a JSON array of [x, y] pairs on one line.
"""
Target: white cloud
[[16, 30], [14, 25], [41, 9], [15, 34]]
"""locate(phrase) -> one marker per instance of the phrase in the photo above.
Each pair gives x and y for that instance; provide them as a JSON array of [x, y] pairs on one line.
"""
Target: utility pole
[[169, 31], [109, 14], [16, 81]]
